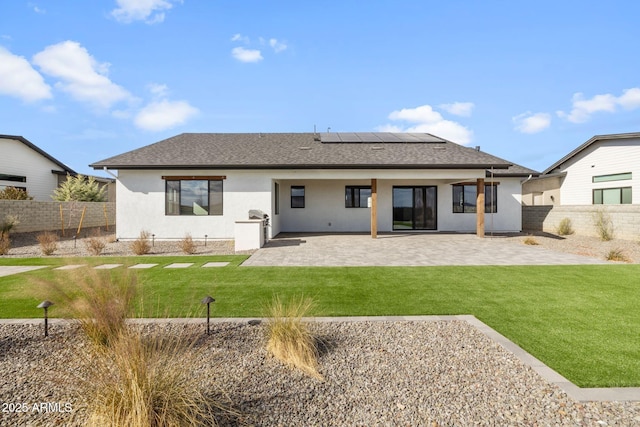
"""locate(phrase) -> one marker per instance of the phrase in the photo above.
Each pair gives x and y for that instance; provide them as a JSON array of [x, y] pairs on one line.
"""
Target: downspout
[[109, 172]]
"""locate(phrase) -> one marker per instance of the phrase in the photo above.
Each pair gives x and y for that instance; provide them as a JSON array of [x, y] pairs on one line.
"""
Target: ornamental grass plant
[[187, 245], [141, 245], [143, 380], [289, 338], [565, 227], [99, 300], [140, 375], [48, 242]]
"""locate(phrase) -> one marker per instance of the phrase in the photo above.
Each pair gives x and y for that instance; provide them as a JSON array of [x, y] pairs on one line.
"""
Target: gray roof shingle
[[305, 151]]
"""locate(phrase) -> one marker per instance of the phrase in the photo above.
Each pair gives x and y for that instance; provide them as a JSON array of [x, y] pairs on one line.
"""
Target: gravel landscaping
[[376, 373]]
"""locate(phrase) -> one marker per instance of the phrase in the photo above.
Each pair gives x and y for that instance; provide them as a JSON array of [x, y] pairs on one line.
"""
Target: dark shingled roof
[[366, 150]]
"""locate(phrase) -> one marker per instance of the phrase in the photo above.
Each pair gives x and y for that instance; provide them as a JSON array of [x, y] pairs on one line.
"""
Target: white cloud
[[532, 123], [36, 9], [19, 79], [277, 46], [165, 114], [158, 90], [583, 108], [458, 108], [630, 98], [246, 55], [240, 38], [149, 11], [428, 121], [80, 74]]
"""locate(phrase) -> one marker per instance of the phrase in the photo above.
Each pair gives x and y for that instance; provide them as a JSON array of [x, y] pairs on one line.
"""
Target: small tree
[[79, 188], [13, 193]]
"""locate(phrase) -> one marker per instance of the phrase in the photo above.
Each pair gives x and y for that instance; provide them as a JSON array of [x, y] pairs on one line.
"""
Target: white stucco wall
[[19, 159], [141, 202], [324, 209], [601, 158]]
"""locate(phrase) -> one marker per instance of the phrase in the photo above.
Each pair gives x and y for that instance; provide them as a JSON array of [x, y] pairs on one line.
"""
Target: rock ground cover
[[376, 373]]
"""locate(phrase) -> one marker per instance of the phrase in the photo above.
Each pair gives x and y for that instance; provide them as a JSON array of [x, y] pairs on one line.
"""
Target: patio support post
[[480, 208], [374, 208]]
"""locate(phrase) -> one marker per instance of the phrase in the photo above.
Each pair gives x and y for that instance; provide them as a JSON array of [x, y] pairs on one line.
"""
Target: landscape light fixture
[[45, 304], [208, 300], [205, 240]]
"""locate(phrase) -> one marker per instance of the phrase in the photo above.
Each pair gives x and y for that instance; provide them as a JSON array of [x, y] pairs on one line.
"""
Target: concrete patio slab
[[215, 264], [179, 265], [143, 266], [425, 249], [70, 267], [107, 266]]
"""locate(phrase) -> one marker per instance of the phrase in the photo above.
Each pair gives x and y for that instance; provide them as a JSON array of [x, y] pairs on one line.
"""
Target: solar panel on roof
[[377, 137]]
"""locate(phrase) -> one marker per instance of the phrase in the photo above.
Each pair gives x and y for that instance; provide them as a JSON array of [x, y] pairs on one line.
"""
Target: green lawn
[[582, 321]]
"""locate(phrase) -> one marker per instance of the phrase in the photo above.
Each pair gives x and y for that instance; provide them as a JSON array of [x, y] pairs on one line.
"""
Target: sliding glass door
[[414, 208]]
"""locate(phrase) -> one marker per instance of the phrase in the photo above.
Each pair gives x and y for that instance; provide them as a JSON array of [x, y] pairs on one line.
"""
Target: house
[[25, 166], [203, 183], [603, 170]]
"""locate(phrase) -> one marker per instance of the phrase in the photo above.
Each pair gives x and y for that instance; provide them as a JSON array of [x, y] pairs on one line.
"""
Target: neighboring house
[[25, 166], [202, 184], [603, 170]]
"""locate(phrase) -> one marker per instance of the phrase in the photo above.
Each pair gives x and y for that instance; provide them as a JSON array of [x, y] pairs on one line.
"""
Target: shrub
[[5, 227], [530, 241], [79, 188], [9, 222], [604, 225], [565, 227], [13, 193], [616, 255], [187, 245], [289, 339], [5, 243], [48, 242], [95, 244], [141, 245]]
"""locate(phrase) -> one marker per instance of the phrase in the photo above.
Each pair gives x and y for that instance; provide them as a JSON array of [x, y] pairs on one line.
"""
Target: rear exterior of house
[[203, 184]]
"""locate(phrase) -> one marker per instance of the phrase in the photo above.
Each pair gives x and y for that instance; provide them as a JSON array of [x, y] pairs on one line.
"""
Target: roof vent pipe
[[477, 148]]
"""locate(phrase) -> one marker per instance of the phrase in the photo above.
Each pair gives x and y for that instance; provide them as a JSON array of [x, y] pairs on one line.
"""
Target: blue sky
[[526, 81]]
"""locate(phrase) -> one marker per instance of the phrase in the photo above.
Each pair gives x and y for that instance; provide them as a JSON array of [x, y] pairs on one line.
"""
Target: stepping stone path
[[9, 270]]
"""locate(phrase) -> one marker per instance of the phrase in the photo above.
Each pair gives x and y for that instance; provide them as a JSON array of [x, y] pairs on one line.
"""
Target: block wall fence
[[625, 219], [45, 216]]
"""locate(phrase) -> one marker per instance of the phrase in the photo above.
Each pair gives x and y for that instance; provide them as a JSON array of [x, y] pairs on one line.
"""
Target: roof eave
[[99, 166], [591, 140], [29, 144]]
